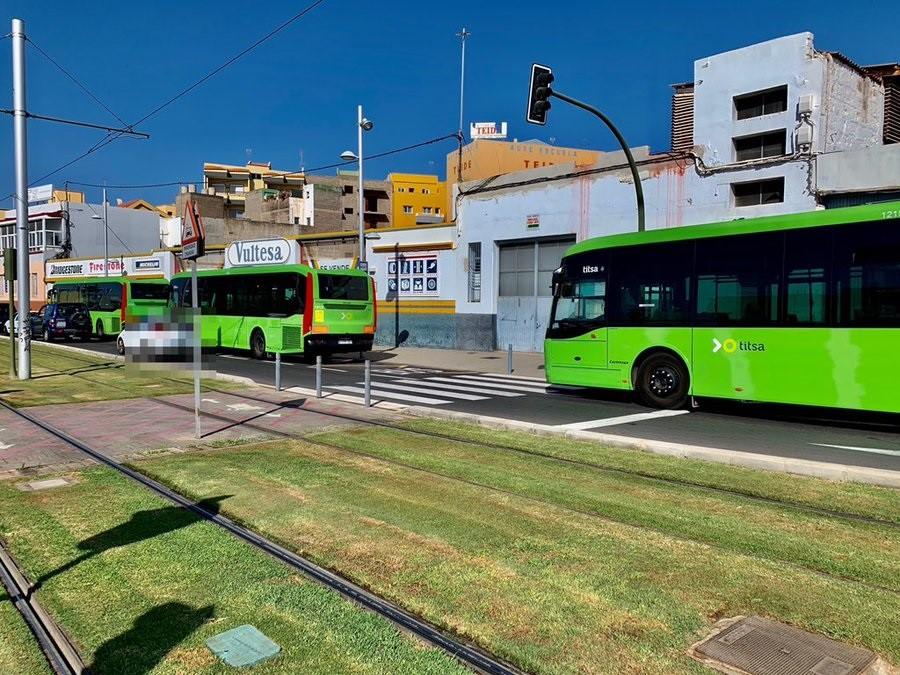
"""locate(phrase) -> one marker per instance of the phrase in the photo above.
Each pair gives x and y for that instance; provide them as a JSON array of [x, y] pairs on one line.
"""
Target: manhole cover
[[47, 484], [762, 647], [242, 646]]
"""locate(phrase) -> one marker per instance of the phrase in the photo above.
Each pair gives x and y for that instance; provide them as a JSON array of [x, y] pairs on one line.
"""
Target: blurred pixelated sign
[[192, 234]]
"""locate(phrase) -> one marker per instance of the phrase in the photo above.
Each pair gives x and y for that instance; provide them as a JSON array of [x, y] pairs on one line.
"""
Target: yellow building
[[417, 199], [484, 158]]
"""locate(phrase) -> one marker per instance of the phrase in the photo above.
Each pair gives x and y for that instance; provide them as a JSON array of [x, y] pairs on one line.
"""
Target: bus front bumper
[[337, 343]]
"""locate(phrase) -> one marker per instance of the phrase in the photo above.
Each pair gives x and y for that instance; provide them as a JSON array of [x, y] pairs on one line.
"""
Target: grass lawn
[[140, 584], [553, 567], [19, 651], [857, 498], [59, 376]]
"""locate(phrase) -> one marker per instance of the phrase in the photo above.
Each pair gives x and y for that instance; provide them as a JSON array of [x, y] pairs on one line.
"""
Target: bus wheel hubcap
[[663, 381]]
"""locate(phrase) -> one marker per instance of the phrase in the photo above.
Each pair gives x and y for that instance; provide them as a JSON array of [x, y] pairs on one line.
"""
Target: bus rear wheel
[[258, 344], [101, 334], [662, 381]]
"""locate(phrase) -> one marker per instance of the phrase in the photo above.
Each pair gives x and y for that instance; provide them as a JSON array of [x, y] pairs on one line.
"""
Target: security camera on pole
[[192, 247], [363, 124]]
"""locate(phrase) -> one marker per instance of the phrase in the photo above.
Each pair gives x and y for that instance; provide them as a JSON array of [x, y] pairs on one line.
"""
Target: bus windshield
[[578, 306], [343, 287], [149, 291]]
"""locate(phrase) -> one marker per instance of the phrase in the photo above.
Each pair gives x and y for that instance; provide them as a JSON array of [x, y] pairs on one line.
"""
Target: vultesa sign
[[260, 252]]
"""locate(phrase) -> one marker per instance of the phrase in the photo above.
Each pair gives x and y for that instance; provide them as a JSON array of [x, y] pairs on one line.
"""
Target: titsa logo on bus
[[730, 346]]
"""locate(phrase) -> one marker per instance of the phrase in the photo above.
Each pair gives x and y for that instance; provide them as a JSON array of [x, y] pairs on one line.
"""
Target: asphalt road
[[782, 431]]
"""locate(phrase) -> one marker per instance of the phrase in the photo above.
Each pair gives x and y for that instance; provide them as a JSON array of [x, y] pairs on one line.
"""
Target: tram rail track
[[632, 473], [61, 654], [249, 423], [468, 654]]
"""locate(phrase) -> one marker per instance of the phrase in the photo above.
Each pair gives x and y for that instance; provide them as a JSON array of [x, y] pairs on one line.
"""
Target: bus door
[[577, 337]]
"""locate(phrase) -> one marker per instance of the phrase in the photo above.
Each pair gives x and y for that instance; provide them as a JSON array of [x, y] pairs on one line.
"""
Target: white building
[[772, 128]]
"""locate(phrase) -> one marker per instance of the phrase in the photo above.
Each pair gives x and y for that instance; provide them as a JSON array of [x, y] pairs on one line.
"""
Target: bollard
[[368, 393], [318, 376], [277, 371], [509, 360]]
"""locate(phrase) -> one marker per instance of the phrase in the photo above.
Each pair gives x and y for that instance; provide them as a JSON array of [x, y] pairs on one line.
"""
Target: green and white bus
[[291, 309], [113, 301], [797, 309]]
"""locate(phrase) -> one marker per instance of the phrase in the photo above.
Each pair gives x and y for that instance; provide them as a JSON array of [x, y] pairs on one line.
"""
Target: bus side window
[[738, 279], [867, 267], [177, 292], [807, 269], [652, 284]]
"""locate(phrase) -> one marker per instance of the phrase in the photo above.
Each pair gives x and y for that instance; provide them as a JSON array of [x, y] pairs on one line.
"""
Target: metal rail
[[467, 654], [59, 652]]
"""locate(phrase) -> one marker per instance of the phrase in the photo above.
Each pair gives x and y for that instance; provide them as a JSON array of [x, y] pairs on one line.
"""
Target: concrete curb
[[750, 460]]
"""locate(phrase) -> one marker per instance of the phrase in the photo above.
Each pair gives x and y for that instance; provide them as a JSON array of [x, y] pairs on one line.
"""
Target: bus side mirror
[[556, 280]]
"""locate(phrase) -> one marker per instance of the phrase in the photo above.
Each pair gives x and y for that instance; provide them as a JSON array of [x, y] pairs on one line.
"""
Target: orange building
[[484, 158]]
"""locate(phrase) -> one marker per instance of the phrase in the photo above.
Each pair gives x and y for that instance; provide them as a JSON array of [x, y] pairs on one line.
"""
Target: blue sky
[[299, 91]]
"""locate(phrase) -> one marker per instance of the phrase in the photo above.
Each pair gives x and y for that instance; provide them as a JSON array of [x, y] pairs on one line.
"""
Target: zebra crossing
[[436, 388]]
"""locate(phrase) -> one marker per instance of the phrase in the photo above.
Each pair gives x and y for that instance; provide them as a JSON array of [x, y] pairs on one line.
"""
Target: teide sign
[[260, 252]]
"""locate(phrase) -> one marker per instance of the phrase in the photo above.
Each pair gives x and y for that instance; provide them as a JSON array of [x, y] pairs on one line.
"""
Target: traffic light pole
[[638, 188]]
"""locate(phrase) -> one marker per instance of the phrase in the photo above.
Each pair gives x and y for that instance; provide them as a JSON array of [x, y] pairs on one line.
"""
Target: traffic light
[[539, 94]]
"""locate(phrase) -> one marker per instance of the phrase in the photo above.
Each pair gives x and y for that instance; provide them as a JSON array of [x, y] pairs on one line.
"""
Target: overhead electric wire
[[77, 82], [378, 155], [109, 138]]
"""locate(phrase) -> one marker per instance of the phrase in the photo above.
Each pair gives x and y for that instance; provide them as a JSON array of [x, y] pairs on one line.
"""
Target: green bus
[[113, 302], [291, 309], [796, 309]]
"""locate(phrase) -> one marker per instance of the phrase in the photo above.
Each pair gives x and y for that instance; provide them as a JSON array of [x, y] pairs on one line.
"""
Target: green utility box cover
[[242, 646]]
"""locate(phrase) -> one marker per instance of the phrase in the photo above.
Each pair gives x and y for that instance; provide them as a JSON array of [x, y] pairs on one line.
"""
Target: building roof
[[847, 61]]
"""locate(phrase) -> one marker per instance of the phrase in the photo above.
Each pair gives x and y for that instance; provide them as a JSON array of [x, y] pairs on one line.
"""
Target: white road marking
[[429, 390], [273, 414], [4, 446], [242, 407], [458, 386], [522, 378], [487, 382], [209, 400], [877, 451], [236, 358], [623, 419], [379, 393]]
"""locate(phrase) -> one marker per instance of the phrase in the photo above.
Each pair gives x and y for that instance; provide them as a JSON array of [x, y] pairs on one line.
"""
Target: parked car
[[156, 340], [37, 323], [64, 320]]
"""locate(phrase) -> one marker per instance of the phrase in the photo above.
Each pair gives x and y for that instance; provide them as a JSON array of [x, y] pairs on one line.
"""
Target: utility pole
[[20, 119], [360, 201], [105, 235], [462, 35]]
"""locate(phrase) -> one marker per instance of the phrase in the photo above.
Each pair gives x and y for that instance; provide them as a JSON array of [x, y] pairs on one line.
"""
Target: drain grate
[[762, 647]]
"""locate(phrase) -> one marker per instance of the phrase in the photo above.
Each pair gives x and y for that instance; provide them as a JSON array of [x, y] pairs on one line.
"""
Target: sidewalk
[[526, 364]]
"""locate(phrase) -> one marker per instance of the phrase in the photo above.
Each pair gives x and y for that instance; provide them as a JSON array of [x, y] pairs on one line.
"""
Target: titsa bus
[[113, 301], [291, 309], [797, 309]]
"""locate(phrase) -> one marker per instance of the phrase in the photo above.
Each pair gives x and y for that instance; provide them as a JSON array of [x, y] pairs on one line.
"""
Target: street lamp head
[[349, 156], [367, 124]]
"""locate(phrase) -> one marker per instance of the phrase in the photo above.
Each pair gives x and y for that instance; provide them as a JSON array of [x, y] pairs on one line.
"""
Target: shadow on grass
[[142, 525], [152, 635]]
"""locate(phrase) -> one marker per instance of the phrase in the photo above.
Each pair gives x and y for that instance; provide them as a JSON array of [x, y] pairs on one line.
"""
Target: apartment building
[[418, 199]]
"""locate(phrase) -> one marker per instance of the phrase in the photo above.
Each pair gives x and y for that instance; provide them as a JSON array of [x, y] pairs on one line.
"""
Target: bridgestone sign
[[259, 252]]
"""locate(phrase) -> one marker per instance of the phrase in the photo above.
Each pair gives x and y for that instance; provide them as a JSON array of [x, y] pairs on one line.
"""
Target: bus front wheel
[[258, 344], [662, 381]]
